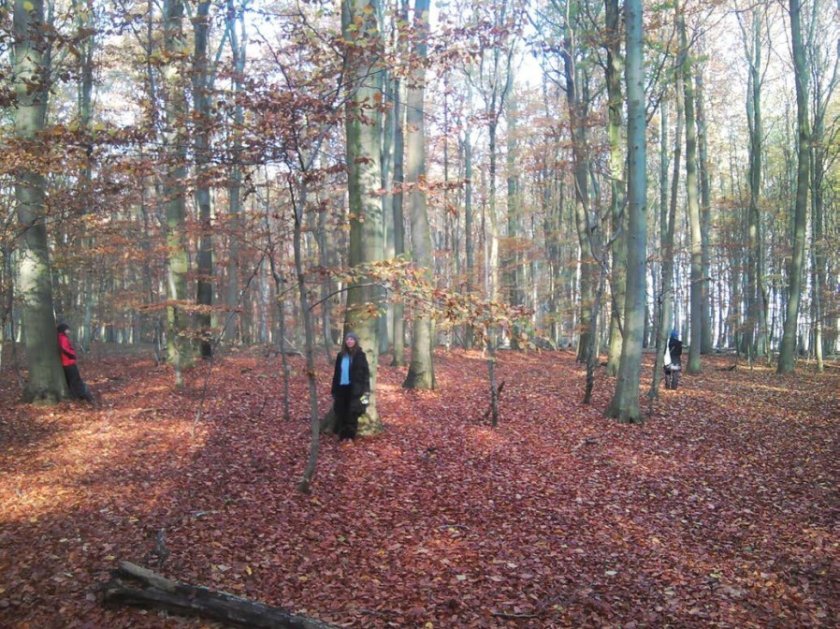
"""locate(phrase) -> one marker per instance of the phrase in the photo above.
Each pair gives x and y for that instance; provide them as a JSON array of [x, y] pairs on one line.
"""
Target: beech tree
[[625, 402], [787, 351], [179, 350], [363, 124], [31, 75], [421, 373], [692, 202]]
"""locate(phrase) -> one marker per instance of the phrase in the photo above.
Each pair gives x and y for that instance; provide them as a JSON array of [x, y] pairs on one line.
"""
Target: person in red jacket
[[68, 361]]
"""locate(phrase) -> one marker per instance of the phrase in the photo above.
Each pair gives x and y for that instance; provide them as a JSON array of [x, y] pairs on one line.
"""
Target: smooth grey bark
[[386, 318], [469, 247], [399, 219], [615, 101], [625, 403], [179, 350], [201, 107], [787, 351], [398, 325], [692, 207], [667, 222], [363, 122], [298, 207], [824, 65], [576, 87], [421, 374], [705, 210], [31, 79], [753, 340], [238, 47], [85, 22], [516, 275]]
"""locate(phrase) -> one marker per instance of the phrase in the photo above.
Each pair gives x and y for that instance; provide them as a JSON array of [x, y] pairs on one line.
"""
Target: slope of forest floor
[[721, 510]]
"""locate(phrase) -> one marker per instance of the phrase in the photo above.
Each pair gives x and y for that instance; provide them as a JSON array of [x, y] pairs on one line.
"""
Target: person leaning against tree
[[77, 386], [350, 387]]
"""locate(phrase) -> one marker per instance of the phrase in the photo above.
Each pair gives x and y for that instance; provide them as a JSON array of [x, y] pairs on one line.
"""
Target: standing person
[[68, 361], [675, 352], [350, 387]]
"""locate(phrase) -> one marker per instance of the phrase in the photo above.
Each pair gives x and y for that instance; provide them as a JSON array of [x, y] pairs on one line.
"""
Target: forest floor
[[722, 509]]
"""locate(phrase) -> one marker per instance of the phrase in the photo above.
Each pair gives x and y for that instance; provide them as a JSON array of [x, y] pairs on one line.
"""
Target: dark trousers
[[77, 386], [346, 413]]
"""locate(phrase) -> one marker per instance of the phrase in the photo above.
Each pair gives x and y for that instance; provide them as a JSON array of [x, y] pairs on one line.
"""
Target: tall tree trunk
[[705, 212], [513, 264], [85, 23], [469, 247], [826, 66], [421, 373], [576, 80], [667, 223], [309, 345], [755, 303], [398, 201], [386, 318], [175, 137], [238, 46], [363, 131], [31, 84], [787, 353], [617, 182], [202, 117], [625, 402], [693, 207]]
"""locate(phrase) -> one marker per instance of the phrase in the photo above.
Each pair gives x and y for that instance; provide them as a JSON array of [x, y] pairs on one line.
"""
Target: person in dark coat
[[675, 352], [350, 387], [77, 386], [675, 348]]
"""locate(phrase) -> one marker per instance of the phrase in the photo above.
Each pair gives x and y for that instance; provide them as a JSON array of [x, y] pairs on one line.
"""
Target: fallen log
[[134, 585]]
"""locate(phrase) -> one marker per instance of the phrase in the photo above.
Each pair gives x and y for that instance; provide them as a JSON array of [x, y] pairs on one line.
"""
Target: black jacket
[[675, 348], [359, 374]]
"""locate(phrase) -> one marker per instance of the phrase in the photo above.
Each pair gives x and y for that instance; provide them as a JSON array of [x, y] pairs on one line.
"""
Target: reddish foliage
[[721, 510]]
